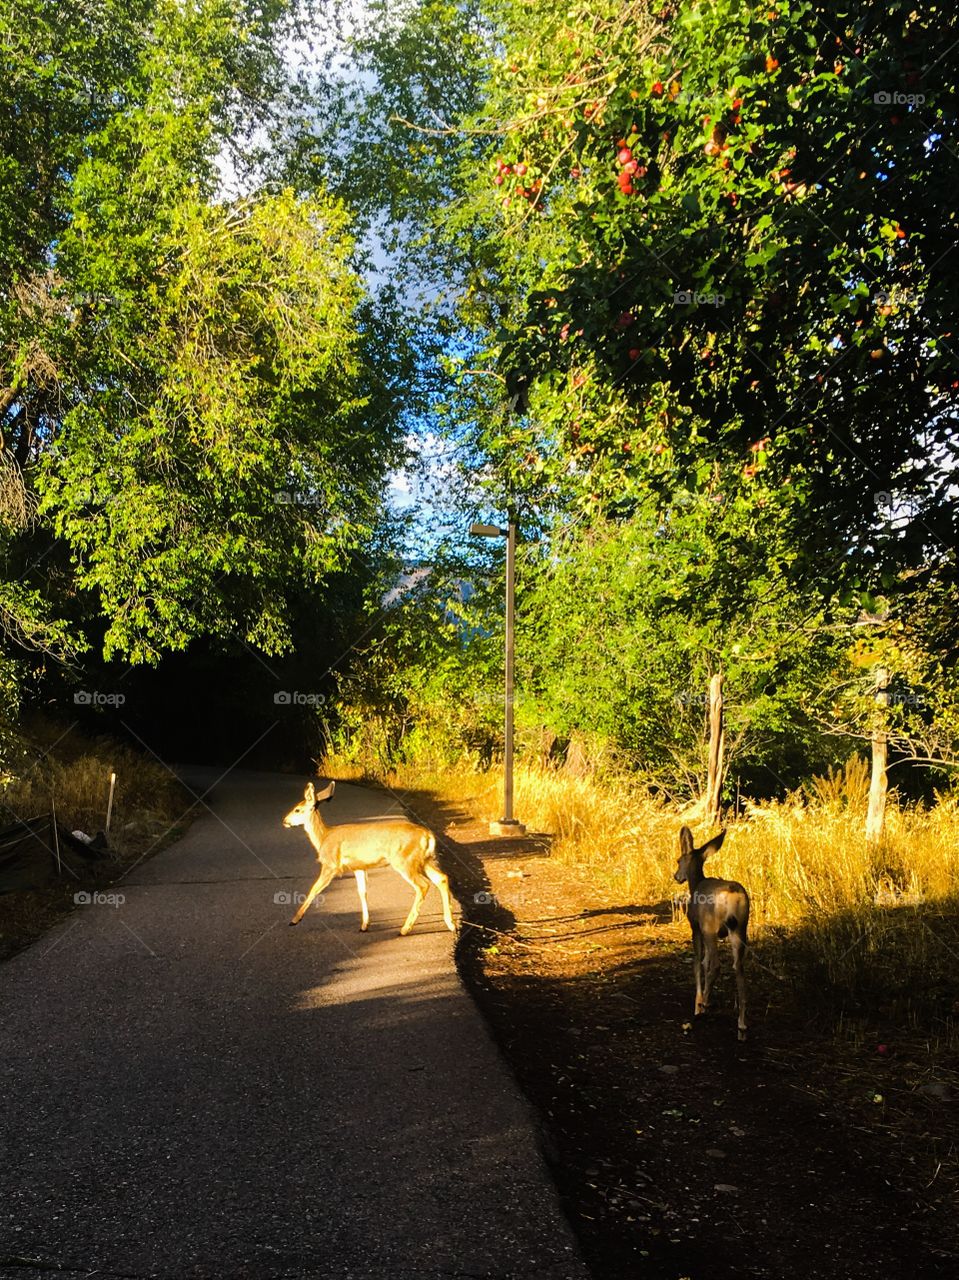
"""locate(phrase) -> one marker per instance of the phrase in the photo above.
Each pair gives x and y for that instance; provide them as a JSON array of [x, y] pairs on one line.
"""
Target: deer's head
[[690, 857], [299, 816]]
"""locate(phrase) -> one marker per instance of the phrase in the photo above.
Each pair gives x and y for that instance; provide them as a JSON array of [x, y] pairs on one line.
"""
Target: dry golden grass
[[877, 924], [803, 855], [74, 774], [54, 766]]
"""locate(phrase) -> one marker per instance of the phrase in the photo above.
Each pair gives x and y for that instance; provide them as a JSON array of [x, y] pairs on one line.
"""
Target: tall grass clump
[[71, 774]]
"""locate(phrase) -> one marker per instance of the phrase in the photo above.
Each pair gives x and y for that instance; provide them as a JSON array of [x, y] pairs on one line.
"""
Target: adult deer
[[359, 846], [715, 909]]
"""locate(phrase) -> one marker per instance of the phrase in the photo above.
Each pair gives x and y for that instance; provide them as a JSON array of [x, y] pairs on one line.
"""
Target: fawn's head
[[690, 857], [299, 816]]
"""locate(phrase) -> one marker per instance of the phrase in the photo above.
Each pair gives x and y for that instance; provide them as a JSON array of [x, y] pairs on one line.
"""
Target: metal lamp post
[[507, 825]]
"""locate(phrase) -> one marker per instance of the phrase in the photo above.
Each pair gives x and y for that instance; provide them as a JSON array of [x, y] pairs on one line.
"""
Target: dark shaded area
[[38, 852], [222, 707], [224, 702]]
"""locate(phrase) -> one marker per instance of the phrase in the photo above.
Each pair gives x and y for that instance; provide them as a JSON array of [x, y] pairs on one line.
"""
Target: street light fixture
[[507, 825]]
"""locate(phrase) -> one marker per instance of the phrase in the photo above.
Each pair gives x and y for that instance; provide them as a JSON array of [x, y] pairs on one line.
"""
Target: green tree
[[617, 641], [186, 375], [706, 252], [722, 237]]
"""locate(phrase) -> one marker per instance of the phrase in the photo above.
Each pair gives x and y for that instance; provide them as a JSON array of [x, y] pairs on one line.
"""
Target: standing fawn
[[359, 846], [716, 909]]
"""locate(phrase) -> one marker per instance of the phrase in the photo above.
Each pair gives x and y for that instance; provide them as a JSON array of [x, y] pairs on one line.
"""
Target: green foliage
[[186, 375], [720, 253], [428, 684], [615, 639], [704, 252], [393, 148], [228, 371]]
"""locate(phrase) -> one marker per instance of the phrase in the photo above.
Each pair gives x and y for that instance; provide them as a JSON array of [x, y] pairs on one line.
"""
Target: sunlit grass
[[801, 856], [71, 775], [879, 925]]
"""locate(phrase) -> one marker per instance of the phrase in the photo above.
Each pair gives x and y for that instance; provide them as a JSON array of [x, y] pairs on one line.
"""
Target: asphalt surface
[[191, 1088]]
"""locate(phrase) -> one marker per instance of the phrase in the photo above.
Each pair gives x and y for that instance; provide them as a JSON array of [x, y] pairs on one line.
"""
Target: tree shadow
[[463, 861]]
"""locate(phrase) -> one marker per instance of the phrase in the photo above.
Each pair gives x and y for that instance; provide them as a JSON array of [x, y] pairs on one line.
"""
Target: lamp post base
[[507, 827]]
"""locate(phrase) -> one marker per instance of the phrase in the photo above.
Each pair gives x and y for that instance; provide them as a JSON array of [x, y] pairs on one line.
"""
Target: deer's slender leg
[[698, 970], [364, 904], [712, 964], [739, 954], [422, 887], [442, 883], [715, 909], [319, 884]]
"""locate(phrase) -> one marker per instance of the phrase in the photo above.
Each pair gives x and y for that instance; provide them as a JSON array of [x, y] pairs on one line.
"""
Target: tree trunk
[[714, 780], [879, 784], [577, 760]]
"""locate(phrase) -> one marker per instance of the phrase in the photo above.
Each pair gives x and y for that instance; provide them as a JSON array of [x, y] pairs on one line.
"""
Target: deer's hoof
[[742, 1034], [363, 928]]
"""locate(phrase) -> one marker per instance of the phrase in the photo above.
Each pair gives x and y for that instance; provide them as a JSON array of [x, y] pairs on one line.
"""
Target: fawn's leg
[[699, 1006], [739, 955], [364, 904], [711, 944], [442, 883], [422, 887], [319, 884]]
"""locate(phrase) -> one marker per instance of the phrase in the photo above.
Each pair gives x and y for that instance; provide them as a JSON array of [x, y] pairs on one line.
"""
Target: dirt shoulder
[[679, 1152]]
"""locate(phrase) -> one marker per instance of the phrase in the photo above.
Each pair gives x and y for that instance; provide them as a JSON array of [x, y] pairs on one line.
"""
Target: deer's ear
[[685, 840], [326, 793], [309, 794], [713, 846]]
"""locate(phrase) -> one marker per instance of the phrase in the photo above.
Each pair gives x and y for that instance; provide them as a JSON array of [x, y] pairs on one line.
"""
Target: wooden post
[[714, 780], [879, 783], [113, 783], [56, 835]]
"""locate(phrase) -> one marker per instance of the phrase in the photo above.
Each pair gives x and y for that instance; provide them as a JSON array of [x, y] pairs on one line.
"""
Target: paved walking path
[[190, 1088]]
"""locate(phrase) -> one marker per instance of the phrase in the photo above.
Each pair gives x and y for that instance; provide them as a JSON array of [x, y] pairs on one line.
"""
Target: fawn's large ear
[[685, 840], [309, 795], [327, 792], [713, 846]]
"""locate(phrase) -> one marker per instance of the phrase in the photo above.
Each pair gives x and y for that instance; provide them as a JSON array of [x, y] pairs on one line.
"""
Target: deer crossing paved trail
[[190, 1088]]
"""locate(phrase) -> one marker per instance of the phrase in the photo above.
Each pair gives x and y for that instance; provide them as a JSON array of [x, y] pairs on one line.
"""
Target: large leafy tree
[[186, 372], [729, 250], [610, 647], [706, 253]]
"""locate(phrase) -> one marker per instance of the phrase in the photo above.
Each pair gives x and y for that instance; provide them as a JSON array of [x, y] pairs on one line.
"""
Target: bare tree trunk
[[714, 780], [879, 784]]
